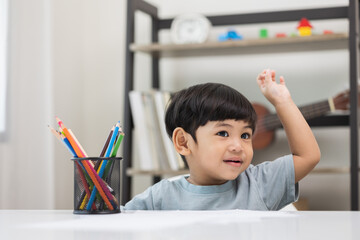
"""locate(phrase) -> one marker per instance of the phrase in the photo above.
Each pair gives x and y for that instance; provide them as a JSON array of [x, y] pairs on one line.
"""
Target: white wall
[[88, 72], [66, 58], [26, 159]]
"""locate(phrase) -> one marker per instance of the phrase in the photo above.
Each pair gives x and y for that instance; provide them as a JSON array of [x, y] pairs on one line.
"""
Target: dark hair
[[193, 107]]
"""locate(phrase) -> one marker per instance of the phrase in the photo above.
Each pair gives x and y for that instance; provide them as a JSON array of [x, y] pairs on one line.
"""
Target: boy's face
[[223, 151]]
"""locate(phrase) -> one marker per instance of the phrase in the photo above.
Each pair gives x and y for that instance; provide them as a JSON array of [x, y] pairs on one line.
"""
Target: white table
[[219, 225]]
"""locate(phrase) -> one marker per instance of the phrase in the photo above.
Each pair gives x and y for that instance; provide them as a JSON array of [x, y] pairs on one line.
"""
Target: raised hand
[[275, 92]]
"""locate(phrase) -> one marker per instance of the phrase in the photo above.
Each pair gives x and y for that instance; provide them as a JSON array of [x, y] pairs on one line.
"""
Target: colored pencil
[[110, 164], [80, 167], [56, 133], [102, 154], [66, 142], [106, 146], [68, 145], [78, 143], [113, 154]]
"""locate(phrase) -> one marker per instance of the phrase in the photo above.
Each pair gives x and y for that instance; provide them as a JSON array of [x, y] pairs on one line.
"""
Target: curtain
[[3, 65], [26, 157]]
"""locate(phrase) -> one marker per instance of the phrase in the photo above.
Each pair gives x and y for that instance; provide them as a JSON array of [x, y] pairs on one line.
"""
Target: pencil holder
[[97, 185]]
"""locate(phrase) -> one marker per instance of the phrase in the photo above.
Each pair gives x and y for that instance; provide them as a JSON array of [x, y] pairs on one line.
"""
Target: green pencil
[[113, 154]]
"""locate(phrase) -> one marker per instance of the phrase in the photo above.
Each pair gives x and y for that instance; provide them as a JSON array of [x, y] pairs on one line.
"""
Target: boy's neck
[[190, 180]]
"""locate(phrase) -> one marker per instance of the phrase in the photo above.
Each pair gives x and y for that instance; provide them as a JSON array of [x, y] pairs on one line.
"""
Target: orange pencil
[[61, 138], [78, 143]]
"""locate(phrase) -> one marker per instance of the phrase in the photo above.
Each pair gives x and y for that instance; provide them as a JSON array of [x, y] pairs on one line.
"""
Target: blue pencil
[[68, 145], [101, 172]]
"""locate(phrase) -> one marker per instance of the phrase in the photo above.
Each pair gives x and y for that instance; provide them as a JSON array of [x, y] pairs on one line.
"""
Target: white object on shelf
[[190, 28]]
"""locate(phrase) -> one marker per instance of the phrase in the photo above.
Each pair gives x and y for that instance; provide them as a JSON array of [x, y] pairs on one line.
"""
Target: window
[[3, 66]]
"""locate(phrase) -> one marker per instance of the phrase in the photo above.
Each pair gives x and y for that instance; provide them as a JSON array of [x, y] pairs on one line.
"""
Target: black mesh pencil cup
[[96, 185]]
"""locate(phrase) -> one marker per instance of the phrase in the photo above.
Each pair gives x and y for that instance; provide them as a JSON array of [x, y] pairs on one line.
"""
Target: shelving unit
[[158, 50], [133, 172], [167, 50]]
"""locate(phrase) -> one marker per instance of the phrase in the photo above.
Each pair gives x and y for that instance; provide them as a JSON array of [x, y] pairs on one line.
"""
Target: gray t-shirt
[[267, 186]]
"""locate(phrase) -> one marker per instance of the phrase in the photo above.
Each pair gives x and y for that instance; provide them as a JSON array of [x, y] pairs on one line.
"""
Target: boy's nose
[[236, 145]]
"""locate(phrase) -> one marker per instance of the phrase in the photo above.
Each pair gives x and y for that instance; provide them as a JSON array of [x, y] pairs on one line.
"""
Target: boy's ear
[[180, 140]]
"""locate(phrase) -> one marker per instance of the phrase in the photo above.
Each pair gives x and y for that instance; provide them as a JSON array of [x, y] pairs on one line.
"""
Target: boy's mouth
[[234, 163]]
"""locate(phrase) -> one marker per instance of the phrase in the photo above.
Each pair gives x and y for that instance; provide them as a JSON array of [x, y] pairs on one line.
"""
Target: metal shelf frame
[[350, 12]]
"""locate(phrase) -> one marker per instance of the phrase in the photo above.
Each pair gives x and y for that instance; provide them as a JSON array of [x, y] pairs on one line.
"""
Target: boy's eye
[[245, 136], [223, 134]]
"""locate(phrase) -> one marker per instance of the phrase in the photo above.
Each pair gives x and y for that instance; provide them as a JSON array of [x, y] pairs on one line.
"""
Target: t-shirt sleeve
[[142, 201], [276, 182]]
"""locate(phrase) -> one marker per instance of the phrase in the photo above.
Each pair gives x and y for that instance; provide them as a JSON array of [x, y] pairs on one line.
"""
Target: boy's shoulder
[[168, 183], [268, 167]]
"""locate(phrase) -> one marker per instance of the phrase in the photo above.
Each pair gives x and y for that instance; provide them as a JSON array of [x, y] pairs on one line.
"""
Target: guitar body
[[262, 137]]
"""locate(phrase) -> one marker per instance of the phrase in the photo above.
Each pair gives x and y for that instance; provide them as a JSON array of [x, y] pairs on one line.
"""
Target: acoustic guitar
[[267, 122]]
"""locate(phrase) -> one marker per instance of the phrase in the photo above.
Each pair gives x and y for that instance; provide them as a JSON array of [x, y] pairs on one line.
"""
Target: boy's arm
[[303, 145]]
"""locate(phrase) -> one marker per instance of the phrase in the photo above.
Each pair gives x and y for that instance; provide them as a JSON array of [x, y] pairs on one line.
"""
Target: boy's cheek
[[251, 154]]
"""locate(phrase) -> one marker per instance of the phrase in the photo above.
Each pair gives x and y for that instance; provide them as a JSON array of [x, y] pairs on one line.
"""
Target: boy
[[211, 126]]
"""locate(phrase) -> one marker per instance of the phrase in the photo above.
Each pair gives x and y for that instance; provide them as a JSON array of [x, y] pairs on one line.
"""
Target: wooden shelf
[[319, 170], [132, 172], [324, 170], [175, 49]]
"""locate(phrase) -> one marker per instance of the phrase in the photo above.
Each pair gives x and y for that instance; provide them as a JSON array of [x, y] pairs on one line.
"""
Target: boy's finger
[[268, 76], [261, 76], [282, 80], [260, 79], [273, 75]]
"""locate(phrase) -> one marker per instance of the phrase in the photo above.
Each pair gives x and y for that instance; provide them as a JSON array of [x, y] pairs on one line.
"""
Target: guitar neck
[[271, 121]]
